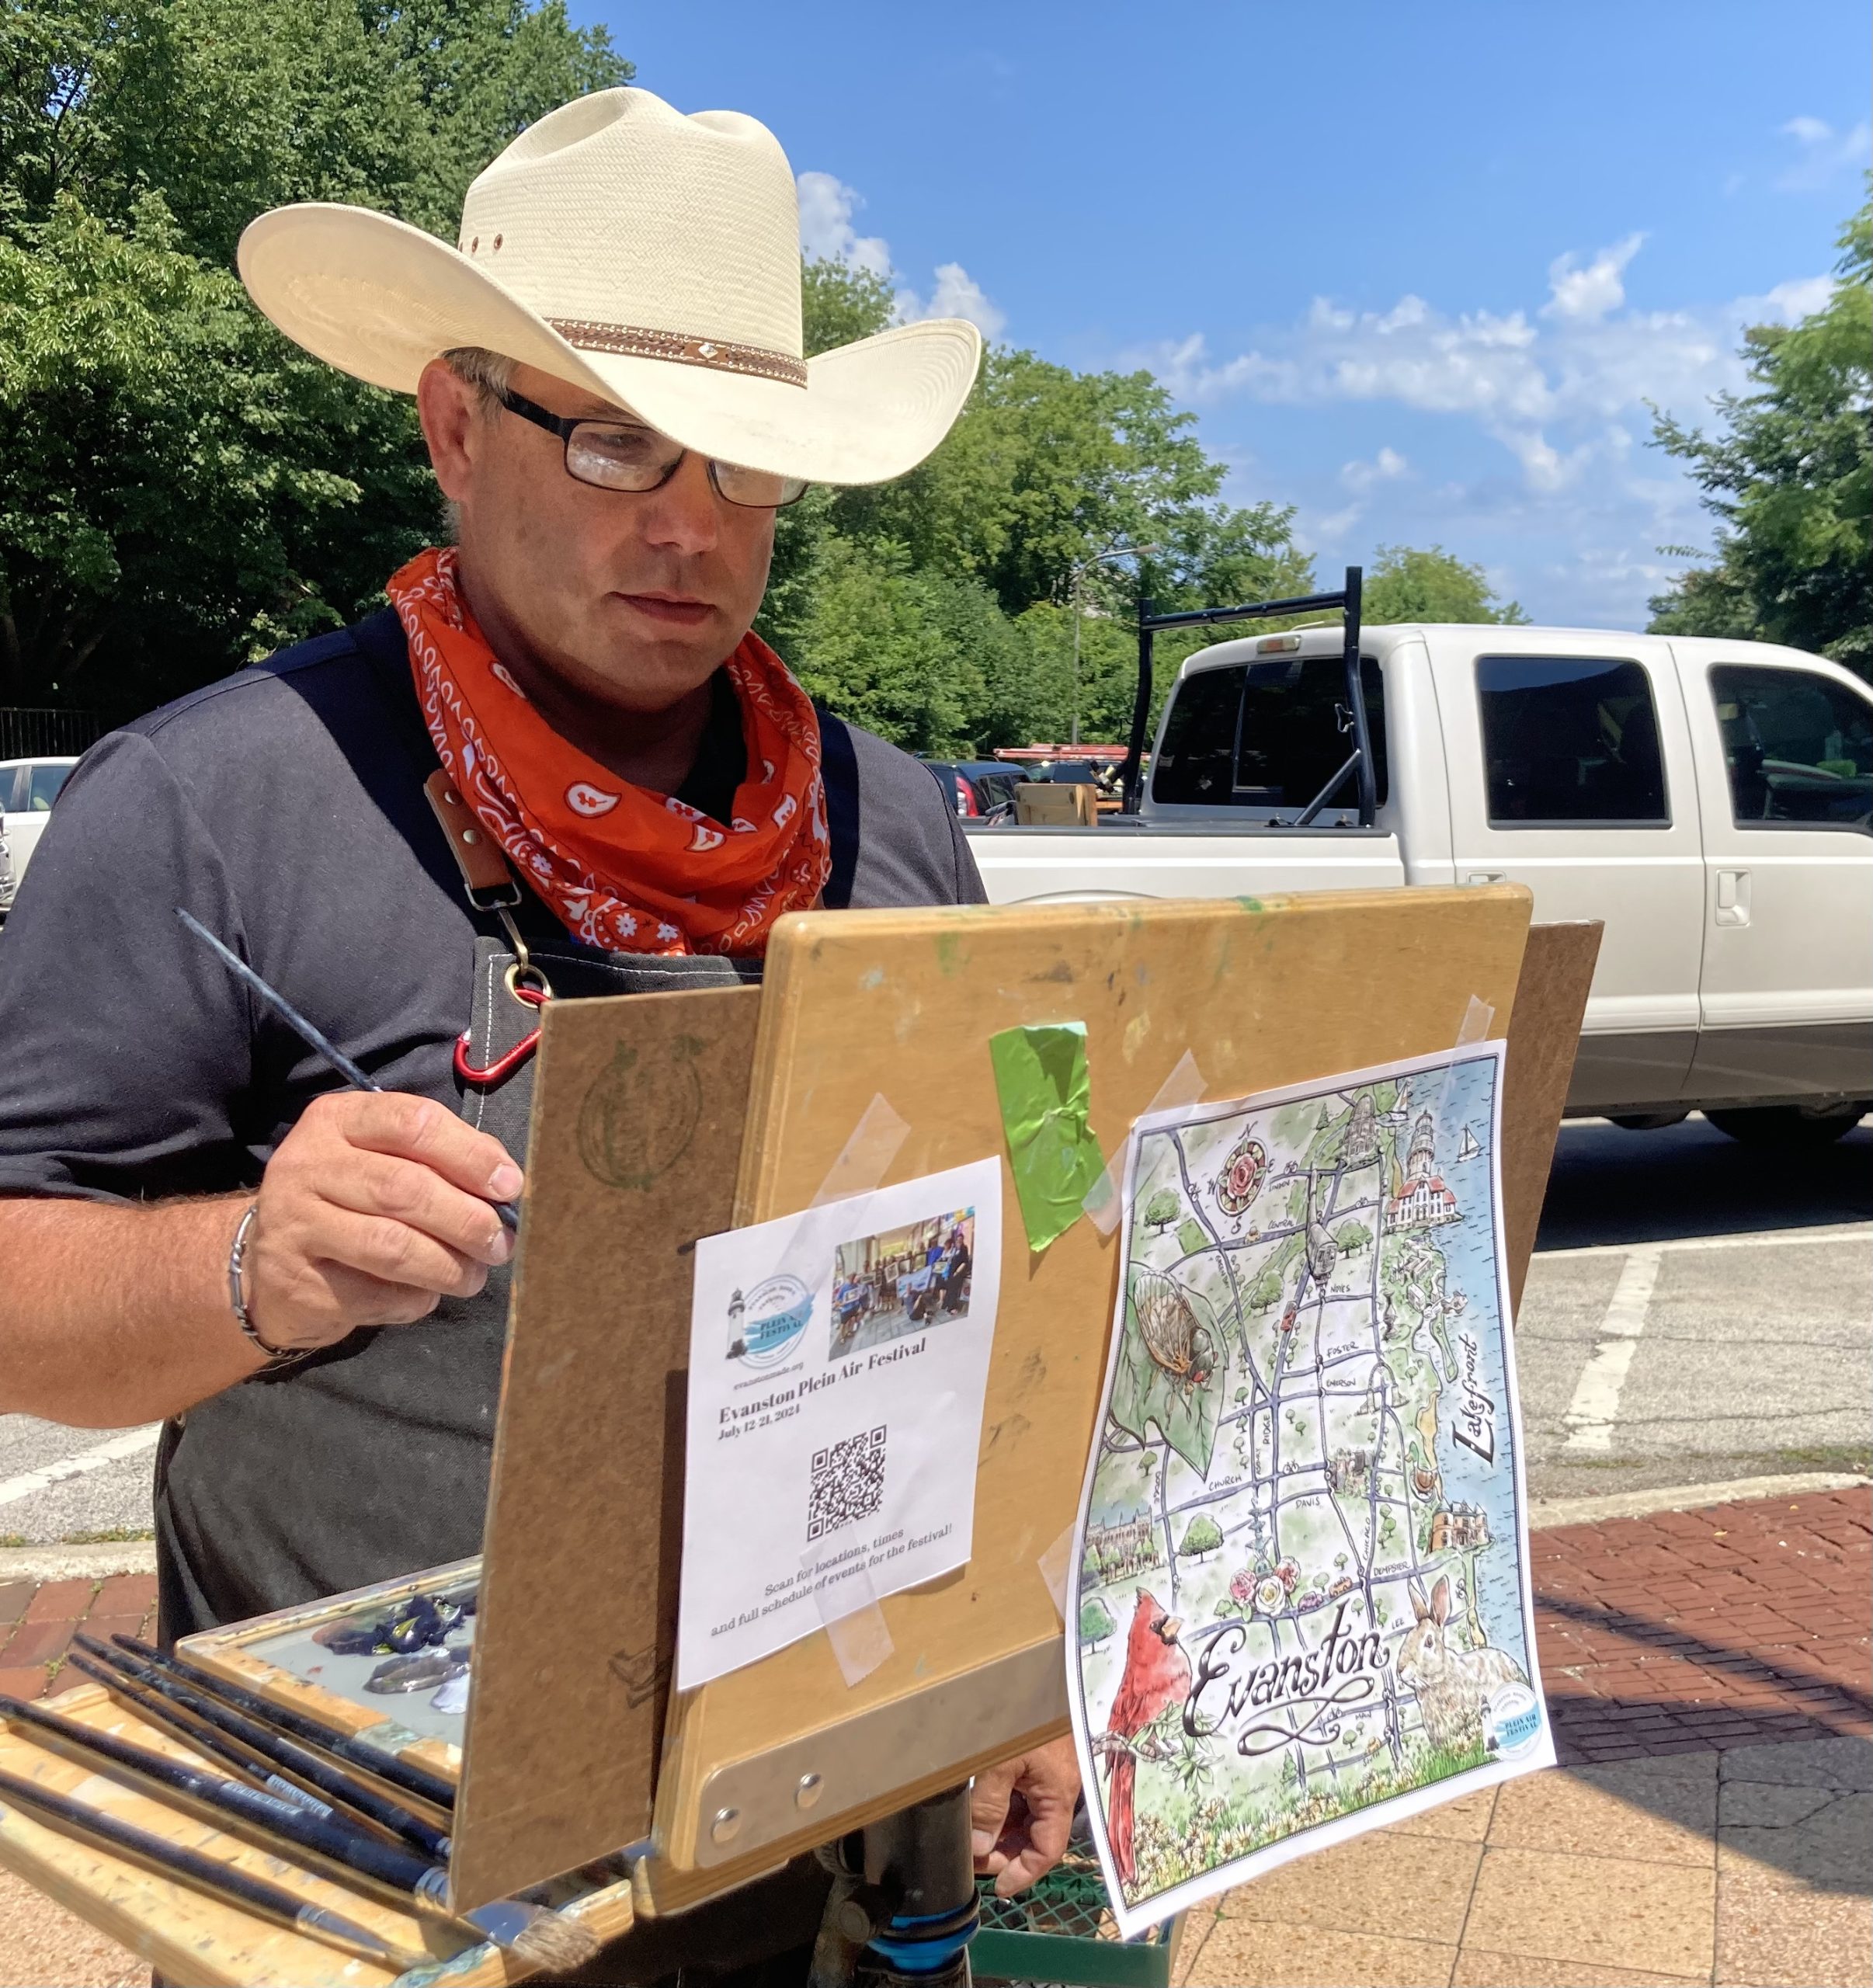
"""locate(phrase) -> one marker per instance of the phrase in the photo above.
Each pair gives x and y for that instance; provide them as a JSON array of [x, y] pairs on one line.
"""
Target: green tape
[[1045, 1088]]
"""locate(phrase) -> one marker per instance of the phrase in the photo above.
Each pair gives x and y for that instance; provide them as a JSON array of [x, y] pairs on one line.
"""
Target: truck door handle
[[1732, 897], [1487, 877]]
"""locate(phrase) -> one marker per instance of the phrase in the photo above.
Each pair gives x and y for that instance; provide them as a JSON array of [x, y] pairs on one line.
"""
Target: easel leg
[[903, 1909]]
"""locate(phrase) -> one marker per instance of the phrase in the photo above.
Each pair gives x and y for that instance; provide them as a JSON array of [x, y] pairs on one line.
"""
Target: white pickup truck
[[1712, 801]]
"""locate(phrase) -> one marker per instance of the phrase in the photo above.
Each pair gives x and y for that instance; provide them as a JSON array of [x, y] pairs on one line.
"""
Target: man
[[308, 1282]]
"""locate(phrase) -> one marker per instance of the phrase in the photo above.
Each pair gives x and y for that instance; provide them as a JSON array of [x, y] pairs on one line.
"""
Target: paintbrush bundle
[[241, 1810]]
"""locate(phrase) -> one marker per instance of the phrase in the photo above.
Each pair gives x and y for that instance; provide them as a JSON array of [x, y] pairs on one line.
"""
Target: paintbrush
[[413, 1780], [305, 1030], [156, 1712], [220, 1881], [286, 1754], [533, 1932]]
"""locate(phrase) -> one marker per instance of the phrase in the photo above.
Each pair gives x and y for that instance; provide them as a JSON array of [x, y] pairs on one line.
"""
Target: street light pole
[[1098, 559]]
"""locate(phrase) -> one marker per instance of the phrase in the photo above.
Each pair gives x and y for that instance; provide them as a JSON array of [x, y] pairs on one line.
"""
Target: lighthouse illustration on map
[[1300, 1604]]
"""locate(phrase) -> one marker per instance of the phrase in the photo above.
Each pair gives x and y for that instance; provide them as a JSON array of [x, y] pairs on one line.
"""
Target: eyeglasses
[[621, 455]]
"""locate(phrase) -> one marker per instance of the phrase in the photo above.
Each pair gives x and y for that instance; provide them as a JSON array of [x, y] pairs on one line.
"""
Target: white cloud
[[1559, 394], [1821, 152], [828, 233], [1360, 477], [1592, 292], [957, 294], [827, 205]]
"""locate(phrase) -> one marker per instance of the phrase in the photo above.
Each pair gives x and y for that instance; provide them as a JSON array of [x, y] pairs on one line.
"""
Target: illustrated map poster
[[1299, 1605]]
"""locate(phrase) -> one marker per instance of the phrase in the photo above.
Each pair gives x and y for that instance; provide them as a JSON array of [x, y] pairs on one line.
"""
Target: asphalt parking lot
[[1697, 1312]]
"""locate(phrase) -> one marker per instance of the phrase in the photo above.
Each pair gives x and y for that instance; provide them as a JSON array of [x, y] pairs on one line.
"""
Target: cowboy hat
[[650, 258]]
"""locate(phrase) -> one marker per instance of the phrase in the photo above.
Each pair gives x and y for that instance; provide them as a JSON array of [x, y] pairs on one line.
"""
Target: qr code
[[848, 1482]]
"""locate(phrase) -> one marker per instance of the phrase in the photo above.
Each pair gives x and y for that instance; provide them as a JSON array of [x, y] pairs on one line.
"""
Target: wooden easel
[[661, 1118]]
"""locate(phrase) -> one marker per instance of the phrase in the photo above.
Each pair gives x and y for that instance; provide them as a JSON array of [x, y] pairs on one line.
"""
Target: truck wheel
[[1648, 1121], [1788, 1126]]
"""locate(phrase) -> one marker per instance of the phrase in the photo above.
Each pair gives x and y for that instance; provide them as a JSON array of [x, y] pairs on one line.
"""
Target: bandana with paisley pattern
[[624, 868]]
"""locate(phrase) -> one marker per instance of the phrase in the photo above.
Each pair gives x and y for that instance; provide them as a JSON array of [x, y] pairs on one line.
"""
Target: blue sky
[[1416, 270]]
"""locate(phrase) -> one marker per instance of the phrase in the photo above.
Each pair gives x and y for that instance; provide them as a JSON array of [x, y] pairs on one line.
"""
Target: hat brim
[[380, 299]]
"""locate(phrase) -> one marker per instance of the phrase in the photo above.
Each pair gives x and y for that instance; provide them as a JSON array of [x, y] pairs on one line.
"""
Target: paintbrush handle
[[222, 1881], [204, 1740], [413, 1780], [329, 1837], [284, 1752], [306, 1031]]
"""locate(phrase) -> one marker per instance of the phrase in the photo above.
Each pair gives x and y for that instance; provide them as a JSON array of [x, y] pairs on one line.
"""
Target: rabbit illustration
[[1450, 1684]]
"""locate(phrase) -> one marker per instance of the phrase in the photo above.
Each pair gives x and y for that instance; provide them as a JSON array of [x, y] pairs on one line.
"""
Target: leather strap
[[491, 884]]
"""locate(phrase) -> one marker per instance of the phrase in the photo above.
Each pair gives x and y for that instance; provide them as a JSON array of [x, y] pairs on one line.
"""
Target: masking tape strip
[[1184, 1085], [1054, 1565], [863, 1162], [848, 1610], [865, 1157], [1478, 1018]]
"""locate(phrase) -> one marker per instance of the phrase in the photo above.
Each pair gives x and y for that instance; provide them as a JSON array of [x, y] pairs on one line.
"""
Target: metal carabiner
[[503, 1066]]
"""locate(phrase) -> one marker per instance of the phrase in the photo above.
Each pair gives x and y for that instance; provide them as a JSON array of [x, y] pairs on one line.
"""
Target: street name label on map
[[1299, 1603]]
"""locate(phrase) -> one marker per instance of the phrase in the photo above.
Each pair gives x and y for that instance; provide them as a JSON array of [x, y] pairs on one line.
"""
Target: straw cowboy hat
[[650, 258]]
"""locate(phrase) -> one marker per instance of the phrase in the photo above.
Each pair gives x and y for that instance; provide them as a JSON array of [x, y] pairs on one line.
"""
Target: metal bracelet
[[237, 1289]]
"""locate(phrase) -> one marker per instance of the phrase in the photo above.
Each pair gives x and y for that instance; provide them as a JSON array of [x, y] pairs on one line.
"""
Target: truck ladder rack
[[1347, 599]]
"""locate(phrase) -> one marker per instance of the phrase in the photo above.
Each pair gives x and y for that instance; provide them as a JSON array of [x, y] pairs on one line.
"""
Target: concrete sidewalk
[[1711, 1821]]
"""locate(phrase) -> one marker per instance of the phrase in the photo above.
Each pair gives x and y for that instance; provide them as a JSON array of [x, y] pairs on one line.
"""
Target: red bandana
[[626, 869]]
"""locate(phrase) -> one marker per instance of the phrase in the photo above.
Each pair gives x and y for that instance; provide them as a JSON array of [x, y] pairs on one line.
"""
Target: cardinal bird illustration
[[1157, 1674]]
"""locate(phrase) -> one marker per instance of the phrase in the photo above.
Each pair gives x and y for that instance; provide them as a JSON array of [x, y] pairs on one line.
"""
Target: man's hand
[[1022, 1813], [374, 1207]]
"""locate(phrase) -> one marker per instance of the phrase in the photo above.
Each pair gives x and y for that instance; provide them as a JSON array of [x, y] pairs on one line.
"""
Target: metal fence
[[28, 733]]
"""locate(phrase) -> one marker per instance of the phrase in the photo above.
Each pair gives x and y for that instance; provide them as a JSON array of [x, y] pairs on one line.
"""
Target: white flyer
[[1299, 1603], [838, 1361]]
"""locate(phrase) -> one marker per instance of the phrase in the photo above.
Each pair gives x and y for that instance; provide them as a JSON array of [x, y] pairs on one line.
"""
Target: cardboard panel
[[1544, 1040], [638, 1118], [1261, 992]]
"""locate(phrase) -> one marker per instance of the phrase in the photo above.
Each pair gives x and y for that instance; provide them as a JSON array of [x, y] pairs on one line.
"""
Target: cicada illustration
[[1242, 1174], [1177, 1341]]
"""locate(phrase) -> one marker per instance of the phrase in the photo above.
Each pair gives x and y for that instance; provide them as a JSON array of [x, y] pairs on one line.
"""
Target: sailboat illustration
[[1467, 1147]]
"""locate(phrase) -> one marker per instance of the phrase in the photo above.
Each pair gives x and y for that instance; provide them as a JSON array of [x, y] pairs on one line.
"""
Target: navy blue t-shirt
[[283, 807]]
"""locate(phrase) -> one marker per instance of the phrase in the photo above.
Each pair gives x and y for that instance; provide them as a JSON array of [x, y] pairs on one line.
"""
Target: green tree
[[184, 489], [1201, 1536], [1352, 1237], [1045, 468], [1408, 583], [1161, 1211], [1095, 1622], [1265, 1293], [1789, 479]]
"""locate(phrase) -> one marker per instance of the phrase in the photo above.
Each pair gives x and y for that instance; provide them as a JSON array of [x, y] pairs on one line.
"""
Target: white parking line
[[132, 1442], [1590, 1415]]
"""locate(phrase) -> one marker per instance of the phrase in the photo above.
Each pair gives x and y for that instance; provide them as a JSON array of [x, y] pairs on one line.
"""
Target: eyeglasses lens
[[760, 489], [620, 458], [639, 459]]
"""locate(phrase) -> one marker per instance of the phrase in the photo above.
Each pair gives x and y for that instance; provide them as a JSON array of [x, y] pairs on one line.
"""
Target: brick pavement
[[1724, 1626], [36, 1625]]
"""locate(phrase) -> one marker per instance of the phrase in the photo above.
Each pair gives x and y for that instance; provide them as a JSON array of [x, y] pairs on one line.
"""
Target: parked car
[[28, 788], [955, 784], [1712, 801], [979, 787]]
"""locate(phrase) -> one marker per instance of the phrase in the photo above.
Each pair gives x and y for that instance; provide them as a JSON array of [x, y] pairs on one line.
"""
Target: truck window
[[1193, 766], [1568, 740], [1266, 735], [1797, 746]]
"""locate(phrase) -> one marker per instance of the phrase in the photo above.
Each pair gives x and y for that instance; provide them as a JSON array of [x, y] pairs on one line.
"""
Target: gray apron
[[252, 1515]]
